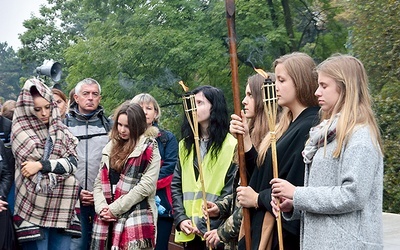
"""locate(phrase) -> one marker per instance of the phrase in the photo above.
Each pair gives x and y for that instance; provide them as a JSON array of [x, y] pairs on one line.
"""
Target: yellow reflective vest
[[214, 172]]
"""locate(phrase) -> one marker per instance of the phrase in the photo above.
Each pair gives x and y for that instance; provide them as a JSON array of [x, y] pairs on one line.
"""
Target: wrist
[[247, 143], [256, 202]]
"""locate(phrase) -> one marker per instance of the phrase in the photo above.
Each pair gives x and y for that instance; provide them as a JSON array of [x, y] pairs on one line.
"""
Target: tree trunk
[[289, 24], [275, 22]]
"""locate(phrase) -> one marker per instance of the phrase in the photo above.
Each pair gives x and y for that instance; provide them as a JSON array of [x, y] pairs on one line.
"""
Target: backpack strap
[[106, 123]]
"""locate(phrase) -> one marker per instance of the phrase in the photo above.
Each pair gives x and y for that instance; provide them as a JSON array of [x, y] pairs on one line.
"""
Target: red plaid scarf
[[136, 227], [46, 200]]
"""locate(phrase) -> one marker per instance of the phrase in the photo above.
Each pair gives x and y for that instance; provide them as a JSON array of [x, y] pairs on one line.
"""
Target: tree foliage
[[388, 114], [10, 72], [375, 40], [139, 46], [147, 46]]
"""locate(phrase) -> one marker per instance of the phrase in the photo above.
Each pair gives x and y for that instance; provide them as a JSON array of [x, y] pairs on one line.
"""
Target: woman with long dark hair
[[217, 150]]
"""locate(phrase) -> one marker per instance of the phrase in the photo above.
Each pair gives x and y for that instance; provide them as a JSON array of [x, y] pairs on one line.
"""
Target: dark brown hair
[[121, 148]]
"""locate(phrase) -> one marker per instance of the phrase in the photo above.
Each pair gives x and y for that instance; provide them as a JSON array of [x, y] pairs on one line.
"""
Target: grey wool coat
[[340, 204]]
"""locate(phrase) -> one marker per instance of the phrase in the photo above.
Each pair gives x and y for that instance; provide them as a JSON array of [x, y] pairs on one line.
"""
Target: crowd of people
[[72, 177]]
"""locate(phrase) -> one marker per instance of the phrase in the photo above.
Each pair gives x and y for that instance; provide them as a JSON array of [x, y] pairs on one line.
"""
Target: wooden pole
[[230, 19]]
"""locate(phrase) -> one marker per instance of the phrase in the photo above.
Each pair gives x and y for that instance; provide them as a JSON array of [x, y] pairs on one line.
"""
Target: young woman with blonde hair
[[340, 205], [257, 119]]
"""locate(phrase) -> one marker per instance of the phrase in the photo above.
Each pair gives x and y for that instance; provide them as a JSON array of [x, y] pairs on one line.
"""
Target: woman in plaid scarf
[[45, 160], [125, 187]]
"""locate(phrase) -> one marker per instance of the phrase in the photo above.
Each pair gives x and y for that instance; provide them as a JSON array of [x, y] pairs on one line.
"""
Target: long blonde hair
[[354, 103], [301, 68]]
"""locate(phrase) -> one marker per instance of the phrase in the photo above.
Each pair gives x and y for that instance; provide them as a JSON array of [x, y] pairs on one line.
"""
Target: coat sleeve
[[99, 199], [290, 163], [65, 165], [145, 187], [224, 206], [229, 230], [169, 158], [361, 163], [6, 173], [229, 181], [177, 197], [295, 214], [251, 161]]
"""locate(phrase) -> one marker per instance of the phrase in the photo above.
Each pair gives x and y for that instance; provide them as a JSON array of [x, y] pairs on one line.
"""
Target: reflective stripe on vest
[[214, 173]]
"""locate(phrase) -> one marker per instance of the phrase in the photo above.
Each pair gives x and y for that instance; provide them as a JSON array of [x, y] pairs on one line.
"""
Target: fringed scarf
[[135, 228], [45, 200], [320, 135]]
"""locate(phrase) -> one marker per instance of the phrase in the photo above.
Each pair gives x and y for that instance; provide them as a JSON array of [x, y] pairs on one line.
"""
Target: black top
[[5, 129], [114, 178], [290, 167], [5, 132]]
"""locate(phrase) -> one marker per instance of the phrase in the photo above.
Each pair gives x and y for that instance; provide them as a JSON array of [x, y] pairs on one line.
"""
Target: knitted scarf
[[324, 132], [135, 228], [44, 199]]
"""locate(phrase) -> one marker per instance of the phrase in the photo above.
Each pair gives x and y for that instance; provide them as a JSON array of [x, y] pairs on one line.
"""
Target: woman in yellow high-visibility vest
[[217, 149]]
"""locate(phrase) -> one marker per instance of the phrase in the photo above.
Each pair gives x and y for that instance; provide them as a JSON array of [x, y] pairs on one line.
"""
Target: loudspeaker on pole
[[51, 69]]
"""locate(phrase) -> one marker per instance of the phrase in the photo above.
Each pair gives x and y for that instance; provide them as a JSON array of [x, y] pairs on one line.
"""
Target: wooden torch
[[271, 110], [189, 105]]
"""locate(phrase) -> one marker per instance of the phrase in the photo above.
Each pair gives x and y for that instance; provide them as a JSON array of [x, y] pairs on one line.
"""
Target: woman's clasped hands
[[106, 215]]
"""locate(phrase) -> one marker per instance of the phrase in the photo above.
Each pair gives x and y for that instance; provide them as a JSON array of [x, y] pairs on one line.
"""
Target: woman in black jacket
[[7, 240]]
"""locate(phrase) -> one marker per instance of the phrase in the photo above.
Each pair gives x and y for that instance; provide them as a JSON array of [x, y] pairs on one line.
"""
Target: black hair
[[219, 121]]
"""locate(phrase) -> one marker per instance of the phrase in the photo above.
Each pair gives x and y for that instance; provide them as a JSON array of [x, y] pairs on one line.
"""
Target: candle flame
[[262, 73], [184, 87]]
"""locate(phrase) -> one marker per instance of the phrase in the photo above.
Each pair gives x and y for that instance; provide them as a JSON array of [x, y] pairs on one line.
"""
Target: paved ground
[[391, 231]]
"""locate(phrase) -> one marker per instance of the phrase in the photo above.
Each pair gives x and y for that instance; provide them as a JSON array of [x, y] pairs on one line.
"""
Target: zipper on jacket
[[86, 154]]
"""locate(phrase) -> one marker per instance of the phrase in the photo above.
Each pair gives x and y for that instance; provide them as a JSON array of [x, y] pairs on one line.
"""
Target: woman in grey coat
[[340, 205]]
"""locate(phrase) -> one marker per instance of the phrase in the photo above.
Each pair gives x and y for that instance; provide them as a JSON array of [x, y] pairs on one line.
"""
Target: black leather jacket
[[6, 173]]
